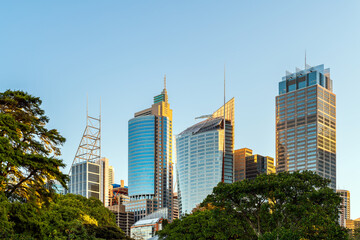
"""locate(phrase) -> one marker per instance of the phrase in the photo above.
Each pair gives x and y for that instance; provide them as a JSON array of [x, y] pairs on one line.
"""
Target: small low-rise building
[[146, 228], [353, 224]]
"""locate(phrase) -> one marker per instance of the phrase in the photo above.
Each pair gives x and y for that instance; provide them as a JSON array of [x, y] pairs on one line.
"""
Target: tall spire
[[224, 154], [305, 59], [165, 81]]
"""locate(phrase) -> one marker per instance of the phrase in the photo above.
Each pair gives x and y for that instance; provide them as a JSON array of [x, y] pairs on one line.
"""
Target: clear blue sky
[[120, 50]]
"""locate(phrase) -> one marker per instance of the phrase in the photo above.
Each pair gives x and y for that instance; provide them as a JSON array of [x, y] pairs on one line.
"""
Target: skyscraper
[[89, 172], [345, 206], [150, 157], [257, 164], [200, 157], [306, 123], [111, 175], [239, 162]]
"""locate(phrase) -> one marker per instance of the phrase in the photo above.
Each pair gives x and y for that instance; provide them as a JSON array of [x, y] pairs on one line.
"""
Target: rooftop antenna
[[305, 59], [223, 163], [165, 81], [100, 129], [87, 107]]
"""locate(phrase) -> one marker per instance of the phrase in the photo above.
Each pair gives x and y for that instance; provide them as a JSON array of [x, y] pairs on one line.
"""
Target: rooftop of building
[[203, 126], [143, 222], [308, 69]]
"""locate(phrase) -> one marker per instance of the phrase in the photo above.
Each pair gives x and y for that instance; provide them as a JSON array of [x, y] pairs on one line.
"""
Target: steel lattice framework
[[89, 149]]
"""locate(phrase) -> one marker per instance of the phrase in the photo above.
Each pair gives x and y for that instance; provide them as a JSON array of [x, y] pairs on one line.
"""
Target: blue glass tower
[[150, 159], [142, 155]]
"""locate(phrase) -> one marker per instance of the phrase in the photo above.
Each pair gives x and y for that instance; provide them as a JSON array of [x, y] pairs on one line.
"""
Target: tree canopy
[[276, 206], [66, 217], [28, 150]]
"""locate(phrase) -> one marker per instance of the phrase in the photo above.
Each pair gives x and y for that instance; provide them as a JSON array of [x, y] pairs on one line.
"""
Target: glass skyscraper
[[306, 123], [150, 158], [200, 160]]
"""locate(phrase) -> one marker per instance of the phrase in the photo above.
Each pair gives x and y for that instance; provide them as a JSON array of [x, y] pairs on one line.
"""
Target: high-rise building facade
[[111, 175], [201, 164], [345, 206], [306, 123], [150, 156], [124, 219], [257, 164], [239, 162], [176, 206]]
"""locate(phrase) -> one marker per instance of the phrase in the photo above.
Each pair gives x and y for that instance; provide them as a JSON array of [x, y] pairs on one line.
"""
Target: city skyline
[[121, 51]]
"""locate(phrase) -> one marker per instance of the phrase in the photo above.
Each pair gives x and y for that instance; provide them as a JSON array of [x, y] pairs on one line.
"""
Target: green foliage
[[28, 150], [206, 224], [283, 206], [67, 217]]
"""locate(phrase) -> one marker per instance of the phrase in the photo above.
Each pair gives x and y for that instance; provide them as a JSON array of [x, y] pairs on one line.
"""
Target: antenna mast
[[223, 163]]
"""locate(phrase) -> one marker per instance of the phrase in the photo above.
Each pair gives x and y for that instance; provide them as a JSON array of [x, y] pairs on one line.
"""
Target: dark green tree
[[28, 150], [66, 217], [283, 206], [204, 224]]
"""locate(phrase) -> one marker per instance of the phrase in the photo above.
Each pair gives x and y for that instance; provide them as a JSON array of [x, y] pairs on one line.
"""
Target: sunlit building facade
[[345, 206], [200, 157], [150, 157], [306, 123], [240, 163]]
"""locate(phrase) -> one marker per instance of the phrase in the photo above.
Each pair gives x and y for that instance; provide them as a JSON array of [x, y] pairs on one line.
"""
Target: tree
[[204, 224], [28, 150], [283, 206], [66, 217]]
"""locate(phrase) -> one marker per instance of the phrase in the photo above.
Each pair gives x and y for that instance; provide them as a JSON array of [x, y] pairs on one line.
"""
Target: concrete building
[[239, 162], [176, 206], [124, 219], [306, 123], [257, 164], [353, 224], [111, 175], [345, 206], [201, 162], [150, 158]]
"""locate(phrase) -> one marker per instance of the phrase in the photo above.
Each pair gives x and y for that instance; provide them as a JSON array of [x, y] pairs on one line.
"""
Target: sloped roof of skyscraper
[[203, 126]]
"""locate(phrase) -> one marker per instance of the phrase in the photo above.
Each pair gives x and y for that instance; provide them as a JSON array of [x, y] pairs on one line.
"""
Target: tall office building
[[89, 172], [306, 123], [200, 157], [176, 206], [150, 158], [239, 162], [257, 164], [111, 175], [345, 206]]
